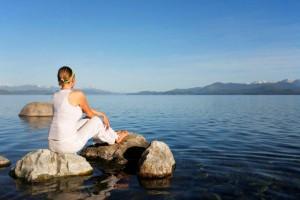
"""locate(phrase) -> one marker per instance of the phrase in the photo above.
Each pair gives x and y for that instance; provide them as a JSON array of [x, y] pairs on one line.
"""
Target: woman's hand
[[106, 122], [104, 118]]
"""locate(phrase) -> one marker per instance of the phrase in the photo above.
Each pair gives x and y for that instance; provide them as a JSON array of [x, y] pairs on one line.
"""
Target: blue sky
[[134, 45]]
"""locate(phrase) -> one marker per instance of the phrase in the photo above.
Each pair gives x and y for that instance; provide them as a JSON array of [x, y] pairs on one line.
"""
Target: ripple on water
[[226, 147]]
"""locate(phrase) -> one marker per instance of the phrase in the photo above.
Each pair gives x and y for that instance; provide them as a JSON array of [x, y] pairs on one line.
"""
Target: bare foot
[[122, 134]]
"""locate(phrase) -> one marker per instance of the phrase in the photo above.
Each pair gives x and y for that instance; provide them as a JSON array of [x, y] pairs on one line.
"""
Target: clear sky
[[133, 45]]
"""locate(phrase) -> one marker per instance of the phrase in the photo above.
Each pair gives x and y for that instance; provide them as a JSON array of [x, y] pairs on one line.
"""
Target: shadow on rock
[[129, 166], [133, 155], [111, 158], [107, 167]]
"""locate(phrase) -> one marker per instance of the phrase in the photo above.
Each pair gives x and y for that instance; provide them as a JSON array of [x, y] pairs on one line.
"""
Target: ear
[[73, 81]]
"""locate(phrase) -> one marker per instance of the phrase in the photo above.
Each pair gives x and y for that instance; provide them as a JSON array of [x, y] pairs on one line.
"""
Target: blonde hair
[[65, 75]]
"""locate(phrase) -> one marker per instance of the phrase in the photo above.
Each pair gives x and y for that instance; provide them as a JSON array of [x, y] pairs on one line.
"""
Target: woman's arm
[[98, 113], [104, 117], [83, 103]]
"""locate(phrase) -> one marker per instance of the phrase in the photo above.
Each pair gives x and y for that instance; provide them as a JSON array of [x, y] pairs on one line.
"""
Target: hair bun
[[64, 75]]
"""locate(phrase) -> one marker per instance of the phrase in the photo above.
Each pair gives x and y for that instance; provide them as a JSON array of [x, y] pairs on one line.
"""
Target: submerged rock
[[44, 164], [157, 161], [4, 162], [130, 149], [37, 109]]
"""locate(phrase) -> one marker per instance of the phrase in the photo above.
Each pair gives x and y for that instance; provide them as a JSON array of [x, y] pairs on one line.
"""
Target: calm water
[[226, 147]]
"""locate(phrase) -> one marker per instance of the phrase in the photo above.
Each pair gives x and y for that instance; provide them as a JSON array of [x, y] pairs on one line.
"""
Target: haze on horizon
[[129, 46]]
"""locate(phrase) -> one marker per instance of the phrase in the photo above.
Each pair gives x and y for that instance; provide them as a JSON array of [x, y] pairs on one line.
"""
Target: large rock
[[157, 161], [44, 164], [4, 162], [131, 148], [37, 109]]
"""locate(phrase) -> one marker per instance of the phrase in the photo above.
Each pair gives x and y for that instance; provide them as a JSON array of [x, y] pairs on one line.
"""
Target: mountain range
[[284, 87], [256, 88], [35, 89]]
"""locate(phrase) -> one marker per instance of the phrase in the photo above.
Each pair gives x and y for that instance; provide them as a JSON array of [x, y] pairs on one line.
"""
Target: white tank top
[[65, 116]]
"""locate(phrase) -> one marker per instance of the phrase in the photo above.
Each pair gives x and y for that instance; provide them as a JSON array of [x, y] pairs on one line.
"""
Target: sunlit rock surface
[[4, 162], [37, 109], [157, 161], [44, 164]]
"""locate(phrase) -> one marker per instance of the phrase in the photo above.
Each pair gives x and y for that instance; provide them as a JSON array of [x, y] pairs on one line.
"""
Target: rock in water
[[37, 109], [157, 161], [132, 147], [44, 164], [4, 162]]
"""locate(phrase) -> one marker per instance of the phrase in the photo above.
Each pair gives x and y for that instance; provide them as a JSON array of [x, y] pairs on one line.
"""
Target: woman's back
[[65, 116]]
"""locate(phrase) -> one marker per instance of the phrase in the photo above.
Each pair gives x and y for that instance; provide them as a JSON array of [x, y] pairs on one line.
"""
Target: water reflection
[[82, 187], [226, 147], [52, 185], [37, 122], [155, 183]]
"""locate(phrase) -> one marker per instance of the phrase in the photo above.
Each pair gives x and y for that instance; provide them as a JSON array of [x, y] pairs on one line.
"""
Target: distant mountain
[[219, 88], [26, 89], [284, 87], [96, 91], [35, 89]]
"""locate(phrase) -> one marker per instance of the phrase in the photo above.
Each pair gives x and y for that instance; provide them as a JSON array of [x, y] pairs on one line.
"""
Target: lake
[[225, 147]]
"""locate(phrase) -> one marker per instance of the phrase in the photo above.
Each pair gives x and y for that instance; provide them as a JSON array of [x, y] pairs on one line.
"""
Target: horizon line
[[93, 87]]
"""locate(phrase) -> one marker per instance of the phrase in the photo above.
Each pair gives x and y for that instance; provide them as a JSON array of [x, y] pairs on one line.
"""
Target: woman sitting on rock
[[69, 132]]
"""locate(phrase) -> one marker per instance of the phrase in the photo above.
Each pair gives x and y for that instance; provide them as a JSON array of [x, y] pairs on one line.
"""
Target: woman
[[68, 131]]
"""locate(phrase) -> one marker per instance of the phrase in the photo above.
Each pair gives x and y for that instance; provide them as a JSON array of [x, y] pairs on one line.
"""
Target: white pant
[[86, 129]]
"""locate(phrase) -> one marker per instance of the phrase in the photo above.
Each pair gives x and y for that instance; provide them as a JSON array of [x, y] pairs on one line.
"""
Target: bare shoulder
[[76, 97], [77, 93]]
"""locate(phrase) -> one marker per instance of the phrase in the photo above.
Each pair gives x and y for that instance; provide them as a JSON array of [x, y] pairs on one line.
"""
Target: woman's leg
[[81, 123], [88, 128], [94, 128]]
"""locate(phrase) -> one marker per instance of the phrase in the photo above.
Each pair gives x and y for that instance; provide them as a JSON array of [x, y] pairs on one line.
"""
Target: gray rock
[[131, 148], [157, 161], [4, 162], [37, 109], [44, 164]]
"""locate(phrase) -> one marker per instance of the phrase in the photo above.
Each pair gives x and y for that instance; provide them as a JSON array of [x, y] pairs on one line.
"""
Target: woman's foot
[[122, 134]]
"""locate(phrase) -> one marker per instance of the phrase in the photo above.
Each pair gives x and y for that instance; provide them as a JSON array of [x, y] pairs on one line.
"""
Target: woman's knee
[[95, 118]]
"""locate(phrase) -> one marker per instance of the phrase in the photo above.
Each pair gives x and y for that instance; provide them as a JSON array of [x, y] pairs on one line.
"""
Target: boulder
[[131, 148], [157, 161], [44, 164], [4, 162], [37, 109]]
